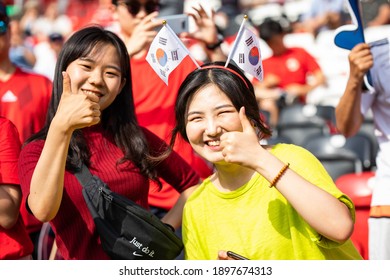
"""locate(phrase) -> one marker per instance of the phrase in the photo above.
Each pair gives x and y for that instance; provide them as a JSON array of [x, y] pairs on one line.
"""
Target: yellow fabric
[[257, 221]]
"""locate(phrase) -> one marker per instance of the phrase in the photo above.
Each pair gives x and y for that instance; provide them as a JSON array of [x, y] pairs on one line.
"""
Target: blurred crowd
[[296, 39]]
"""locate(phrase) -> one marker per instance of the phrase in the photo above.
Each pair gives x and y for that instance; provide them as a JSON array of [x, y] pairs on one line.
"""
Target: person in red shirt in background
[[290, 72], [14, 240], [154, 100], [24, 99]]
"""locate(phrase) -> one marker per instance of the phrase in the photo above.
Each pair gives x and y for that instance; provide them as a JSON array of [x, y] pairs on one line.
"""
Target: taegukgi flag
[[246, 52], [166, 52]]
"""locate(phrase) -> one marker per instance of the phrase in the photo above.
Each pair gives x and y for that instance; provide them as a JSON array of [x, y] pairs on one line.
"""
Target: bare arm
[[301, 90], [348, 114], [10, 198], [174, 216], [323, 212], [383, 16], [47, 183]]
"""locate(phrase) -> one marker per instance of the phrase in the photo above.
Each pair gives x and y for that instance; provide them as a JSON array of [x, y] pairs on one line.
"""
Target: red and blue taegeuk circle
[[254, 56], [161, 56]]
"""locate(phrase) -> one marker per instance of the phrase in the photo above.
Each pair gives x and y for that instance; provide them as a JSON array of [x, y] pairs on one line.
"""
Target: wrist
[[218, 43]]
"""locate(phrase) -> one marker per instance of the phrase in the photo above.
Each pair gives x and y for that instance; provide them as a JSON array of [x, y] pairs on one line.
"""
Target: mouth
[[213, 143], [91, 92]]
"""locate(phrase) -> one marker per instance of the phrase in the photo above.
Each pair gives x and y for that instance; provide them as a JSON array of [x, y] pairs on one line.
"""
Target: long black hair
[[118, 120], [230, 81]]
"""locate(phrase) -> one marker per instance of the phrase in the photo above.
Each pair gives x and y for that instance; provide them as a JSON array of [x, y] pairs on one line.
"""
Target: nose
[[213, 128], [96, 77]]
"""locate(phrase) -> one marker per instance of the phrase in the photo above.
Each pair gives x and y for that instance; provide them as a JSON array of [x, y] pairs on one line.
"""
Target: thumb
[[245, 122], [66, 88]]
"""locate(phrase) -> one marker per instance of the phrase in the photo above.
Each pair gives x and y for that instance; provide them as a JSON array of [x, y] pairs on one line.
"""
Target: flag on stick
[[246, 52], [166, 52]]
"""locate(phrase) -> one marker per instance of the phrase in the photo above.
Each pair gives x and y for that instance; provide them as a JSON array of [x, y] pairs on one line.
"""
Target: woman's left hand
[[242, 147]]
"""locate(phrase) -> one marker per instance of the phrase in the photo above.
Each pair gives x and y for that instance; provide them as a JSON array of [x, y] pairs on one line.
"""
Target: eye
[[112, 74], [225, 112], [85, 66], [194, 118]]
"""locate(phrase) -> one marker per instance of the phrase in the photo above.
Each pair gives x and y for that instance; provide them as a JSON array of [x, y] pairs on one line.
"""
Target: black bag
[[126, 230]]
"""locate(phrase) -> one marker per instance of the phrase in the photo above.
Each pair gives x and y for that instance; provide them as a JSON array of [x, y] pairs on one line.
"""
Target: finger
[[66, 83], [222, 255], [246, 124]]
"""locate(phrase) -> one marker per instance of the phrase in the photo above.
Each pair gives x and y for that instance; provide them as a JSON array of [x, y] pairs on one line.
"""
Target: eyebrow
[[93, 61]]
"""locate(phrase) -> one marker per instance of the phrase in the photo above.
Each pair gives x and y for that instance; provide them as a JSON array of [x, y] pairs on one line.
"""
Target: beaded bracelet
[[280, 174]]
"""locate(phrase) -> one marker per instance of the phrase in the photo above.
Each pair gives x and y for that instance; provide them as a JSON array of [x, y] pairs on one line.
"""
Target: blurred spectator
[[30, 13], [226, 17], [103, 14], [357, 100], [375, 12], [24, 99], [290, 73], [171, 7], [21, 52], [46, 53], [259, 10], [52, 22], [323, 15]]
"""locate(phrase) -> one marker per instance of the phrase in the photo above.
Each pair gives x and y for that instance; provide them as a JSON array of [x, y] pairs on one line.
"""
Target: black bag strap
[[83, 175]]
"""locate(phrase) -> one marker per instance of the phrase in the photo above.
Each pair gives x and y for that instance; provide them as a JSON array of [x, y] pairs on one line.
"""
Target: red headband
[[227, 69]]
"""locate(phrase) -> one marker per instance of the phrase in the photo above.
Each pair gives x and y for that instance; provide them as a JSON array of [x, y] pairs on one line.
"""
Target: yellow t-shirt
[[257, 221]]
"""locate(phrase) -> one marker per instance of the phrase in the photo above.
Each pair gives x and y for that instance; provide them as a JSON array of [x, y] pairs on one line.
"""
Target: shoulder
[[199, 192], [33, 75], [35, 146], [8, 129], [9, 138], [295, 155], [6, 125]]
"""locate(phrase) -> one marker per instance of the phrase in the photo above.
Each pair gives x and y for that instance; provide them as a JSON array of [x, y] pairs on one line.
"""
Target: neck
[[231, 177], [6, 69]]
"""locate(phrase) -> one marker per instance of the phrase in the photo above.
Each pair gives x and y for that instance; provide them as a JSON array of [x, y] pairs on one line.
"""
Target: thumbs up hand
[[241, 146], [77, 110]]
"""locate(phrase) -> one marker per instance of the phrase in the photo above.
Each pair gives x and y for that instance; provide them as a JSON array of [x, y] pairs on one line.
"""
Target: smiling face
[[210, 114], [98, 73]]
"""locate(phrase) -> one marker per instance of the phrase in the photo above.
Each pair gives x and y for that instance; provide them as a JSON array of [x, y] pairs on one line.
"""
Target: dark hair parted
[[118, 120], [233, 83]]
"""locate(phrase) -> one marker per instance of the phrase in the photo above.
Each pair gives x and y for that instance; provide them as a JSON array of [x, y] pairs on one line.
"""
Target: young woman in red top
[[91, 119]]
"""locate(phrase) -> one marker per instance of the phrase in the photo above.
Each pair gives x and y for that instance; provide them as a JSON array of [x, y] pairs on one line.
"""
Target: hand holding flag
[[166, 52], [348, 36]]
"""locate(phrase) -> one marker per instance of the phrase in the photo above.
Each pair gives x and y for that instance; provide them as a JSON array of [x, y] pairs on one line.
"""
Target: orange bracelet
[[280, 174]]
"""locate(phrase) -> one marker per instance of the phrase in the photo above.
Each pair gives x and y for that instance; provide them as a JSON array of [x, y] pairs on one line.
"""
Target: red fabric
[[73, 226], [15, 242], [357, 188], [293, 66], [24, 100], [154, 106]]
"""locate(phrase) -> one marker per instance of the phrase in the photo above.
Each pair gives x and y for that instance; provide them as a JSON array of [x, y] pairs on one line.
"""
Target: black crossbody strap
[[83, 175]]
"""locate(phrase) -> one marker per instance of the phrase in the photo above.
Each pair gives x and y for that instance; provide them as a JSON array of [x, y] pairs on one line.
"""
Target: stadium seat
[[357, 187]]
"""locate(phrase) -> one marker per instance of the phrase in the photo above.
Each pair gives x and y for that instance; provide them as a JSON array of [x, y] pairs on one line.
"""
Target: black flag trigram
[[174, 55], [258, 71], [249, 41], [153, 58], [241, 58], [162, 41]]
